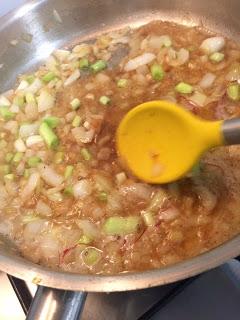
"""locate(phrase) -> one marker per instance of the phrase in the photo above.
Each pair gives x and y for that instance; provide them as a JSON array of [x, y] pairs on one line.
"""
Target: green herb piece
[[75, 103], [104, 100], [122, 83], [102, 196], [52, 121], [58, 158], [30, 79], [6, 113], [184, 88], [49, 76], [84, 63], [84, 240], [68, 172], [157, 72], [19, 101], [91, 256], [17, 157], [76, 121], [98, 66], [85, 154], [216, 57], [121, 225], [233, 92], [30, 98], [68, 191], [48, 135]]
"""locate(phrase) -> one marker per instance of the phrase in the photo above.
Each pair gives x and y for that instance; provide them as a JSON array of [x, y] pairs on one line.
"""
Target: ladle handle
[[231, 131]]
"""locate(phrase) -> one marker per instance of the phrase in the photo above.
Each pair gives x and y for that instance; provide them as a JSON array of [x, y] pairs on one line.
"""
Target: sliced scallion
[[216, 57], [58, 158], [68, 191], [233, 92], [85, 154], [75, 103], [17, 157], [102, 196], [122, 83], [98, 66], [76, 121], [30, 99], [104, 100], [68, 172], [9, 157], [49, 76], [84, 240], [6, 113], [33, 161], [184, 88], [52, 122], [48, 135], [157, 72], [19, 101], [84, 63], [121, 225], [30, 79]]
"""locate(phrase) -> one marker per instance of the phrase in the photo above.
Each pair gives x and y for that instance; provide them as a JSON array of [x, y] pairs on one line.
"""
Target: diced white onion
[[30, 186], [35, 86], [82, 189], [169, 214], [4, 101], [50, 176], [198, 98], [27, 130], [34, 228], [177, 58], [46, 101], [142, 60], [43, 209], [157, 42], [136, 190], [11, 126], [32, 140], [20, 145], [61, 55], [121, 177], [82, 135], [14, 108], [207, 80], [213, 44], [23, 85], [89, 229], [73, 77]]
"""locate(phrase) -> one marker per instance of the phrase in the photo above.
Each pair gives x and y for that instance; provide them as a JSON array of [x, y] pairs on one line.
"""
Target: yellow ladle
[[160, 142]]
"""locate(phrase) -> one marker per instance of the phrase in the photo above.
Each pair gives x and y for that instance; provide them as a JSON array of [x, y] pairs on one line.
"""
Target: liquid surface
[[70, 205]]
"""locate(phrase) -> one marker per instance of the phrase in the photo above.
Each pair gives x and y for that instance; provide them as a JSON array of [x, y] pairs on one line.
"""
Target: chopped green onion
[[52, 122], [5, 169], [49, 76], [30, 79], [91, 256], [17, 157], [121, 225], [58, 158], [86, 154], [103, 196], [98, 66], [122, 83], [75, 103], [68, 191], [158, 200], [148, 218], [84, 63], [9, 176], [19, 101], [217, 57], [76, 121], [48, 135], [9, 157], [68, 172], [84, 239], [184, 88], [233, 92], [157, 72], [33, 161], [30, 99], [6, 113], [26, 173], [104, 100]]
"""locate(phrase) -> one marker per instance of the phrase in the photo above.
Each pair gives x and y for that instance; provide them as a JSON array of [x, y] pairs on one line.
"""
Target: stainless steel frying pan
[[84, 19]]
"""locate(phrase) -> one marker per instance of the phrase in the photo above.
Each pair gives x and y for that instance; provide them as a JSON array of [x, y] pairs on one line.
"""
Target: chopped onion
[[20, 145], [34, 228], [121, 177], [89, 229], [207, 80], [35, 86], [82, 135], [4, 101], [23, 85], [43, 209], [198, 98], [211, 45], [169, 214], [30, 186], [27, 130], [157, 42], [50, 176], [177, 58], [72, 78], [46, 101], [234, 73], [82, 189], [49, 246], [139, 61], [32, 140], [135, 190], [61, 55]]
